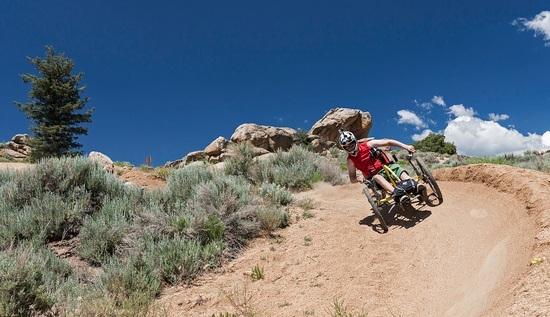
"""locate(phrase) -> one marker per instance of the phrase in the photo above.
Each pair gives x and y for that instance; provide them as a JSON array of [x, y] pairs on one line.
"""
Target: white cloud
[[438, 100], [461, 111], [540, 24], [422, 135], [498, 117], [477, 137], [409, 117]]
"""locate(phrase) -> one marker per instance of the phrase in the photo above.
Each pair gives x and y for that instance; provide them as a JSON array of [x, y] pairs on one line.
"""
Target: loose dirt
[[467, 257]]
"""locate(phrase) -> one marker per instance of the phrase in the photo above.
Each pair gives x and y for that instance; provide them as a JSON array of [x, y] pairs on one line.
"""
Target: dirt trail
[[467, 257]]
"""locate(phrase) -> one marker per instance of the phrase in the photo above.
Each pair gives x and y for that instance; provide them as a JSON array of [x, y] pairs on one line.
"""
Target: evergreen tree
[[55, 106]]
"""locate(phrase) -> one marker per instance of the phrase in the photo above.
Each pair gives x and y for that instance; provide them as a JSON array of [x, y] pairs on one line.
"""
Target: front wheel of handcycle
[[436, 197], [375, 209]]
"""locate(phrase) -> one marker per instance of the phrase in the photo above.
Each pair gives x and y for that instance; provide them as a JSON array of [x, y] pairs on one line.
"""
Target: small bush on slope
[[31, 280], [276, 194], [298, 169]]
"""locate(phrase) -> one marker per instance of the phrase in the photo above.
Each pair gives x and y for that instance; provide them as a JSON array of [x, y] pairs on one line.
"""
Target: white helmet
[[348, 142]]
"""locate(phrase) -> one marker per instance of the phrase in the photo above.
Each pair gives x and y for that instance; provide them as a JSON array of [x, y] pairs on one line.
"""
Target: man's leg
[[380, 180]]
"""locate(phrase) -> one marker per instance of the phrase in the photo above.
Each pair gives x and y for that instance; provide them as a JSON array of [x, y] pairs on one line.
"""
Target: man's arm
[[352, 172], [391, 142]]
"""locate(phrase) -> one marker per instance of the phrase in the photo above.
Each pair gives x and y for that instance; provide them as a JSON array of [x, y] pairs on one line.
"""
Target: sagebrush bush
[[181, 182], [298, 169], [242, 161], [272, 218], [31, 280], [276, 194]]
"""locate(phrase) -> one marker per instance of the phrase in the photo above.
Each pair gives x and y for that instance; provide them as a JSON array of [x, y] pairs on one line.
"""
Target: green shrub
[[242, 163], [276, 194], [103, 232], [180, 259], [181, 182], [44, 218], [31, 280], [435, 143], [132, 281]]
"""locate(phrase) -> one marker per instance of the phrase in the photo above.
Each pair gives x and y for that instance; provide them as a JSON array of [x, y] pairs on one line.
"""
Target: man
[[363, 155]]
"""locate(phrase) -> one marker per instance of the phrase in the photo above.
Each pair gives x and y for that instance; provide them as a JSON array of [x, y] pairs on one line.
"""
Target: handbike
[[379, 198]]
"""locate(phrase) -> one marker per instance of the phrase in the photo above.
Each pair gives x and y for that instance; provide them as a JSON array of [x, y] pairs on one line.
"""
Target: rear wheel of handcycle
[[436, 197], [375, 209]]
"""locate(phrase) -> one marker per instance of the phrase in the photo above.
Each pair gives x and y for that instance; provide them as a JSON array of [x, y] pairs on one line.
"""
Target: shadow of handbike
[[403, 216]]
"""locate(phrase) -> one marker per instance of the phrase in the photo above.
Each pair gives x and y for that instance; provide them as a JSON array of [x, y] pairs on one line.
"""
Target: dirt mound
[[467, 257], [142, 179], [532, 189]]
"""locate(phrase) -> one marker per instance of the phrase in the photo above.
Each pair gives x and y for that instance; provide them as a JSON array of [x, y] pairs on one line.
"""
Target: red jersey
[[364, 162]]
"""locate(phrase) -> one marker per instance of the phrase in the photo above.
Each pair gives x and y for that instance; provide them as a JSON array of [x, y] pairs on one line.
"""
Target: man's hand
[[410, 148]]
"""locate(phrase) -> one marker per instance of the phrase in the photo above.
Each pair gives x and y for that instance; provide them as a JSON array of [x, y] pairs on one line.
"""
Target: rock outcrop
[[102, 160], [357, 121], [17, 149], [265, 137]]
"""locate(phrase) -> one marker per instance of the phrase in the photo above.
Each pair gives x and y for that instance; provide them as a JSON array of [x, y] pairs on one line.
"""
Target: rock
[[194, 156], [21, 139], [265, 137], [216, 147], [11, 154], [357, 121], [175, 164], [102, 160]]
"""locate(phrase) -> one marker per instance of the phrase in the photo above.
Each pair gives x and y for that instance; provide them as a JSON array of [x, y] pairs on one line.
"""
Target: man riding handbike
[[365, 155]]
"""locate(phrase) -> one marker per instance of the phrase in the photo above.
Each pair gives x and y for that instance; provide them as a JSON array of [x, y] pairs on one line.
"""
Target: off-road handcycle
[[380, 199]]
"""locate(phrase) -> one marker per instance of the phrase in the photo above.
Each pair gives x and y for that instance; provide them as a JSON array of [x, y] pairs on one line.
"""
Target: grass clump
[[339, 309], [257, 273]]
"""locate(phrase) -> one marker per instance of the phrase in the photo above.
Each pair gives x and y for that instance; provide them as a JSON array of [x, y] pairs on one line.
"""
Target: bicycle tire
[[375, 209], [428, 178]]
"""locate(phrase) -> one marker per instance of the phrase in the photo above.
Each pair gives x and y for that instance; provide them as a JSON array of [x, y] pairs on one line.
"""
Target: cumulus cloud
[[477, 137], [422, 135], [540, 24], [409, 117], [438, 100], [498, 117], [461, 111]]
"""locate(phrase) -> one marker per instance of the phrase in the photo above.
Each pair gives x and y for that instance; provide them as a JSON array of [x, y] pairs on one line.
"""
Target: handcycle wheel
[[430, 180], [375, 209]]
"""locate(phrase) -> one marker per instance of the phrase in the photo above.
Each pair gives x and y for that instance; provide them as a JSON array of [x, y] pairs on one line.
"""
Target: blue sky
[[167, 77]]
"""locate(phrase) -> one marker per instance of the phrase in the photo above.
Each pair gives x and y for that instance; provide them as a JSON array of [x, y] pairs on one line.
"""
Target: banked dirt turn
[[468, 257]]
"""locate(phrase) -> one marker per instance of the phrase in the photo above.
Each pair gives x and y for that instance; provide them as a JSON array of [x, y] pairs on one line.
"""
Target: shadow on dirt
[[407, 217]]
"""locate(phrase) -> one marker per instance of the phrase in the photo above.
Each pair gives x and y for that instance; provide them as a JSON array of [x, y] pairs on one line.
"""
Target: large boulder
[[357, 121], [265, 137], [17, 149], [102, 160], [216, 147], [21, 139], [194, 156]]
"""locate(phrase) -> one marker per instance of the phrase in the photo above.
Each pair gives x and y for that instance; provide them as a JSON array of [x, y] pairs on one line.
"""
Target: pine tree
[[56, 106]]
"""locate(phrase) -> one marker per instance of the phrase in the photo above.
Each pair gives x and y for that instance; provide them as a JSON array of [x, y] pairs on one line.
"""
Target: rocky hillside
[[267, 139]]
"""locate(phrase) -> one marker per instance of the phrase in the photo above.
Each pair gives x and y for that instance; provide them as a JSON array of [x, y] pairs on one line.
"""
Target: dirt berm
[[470, 256]]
